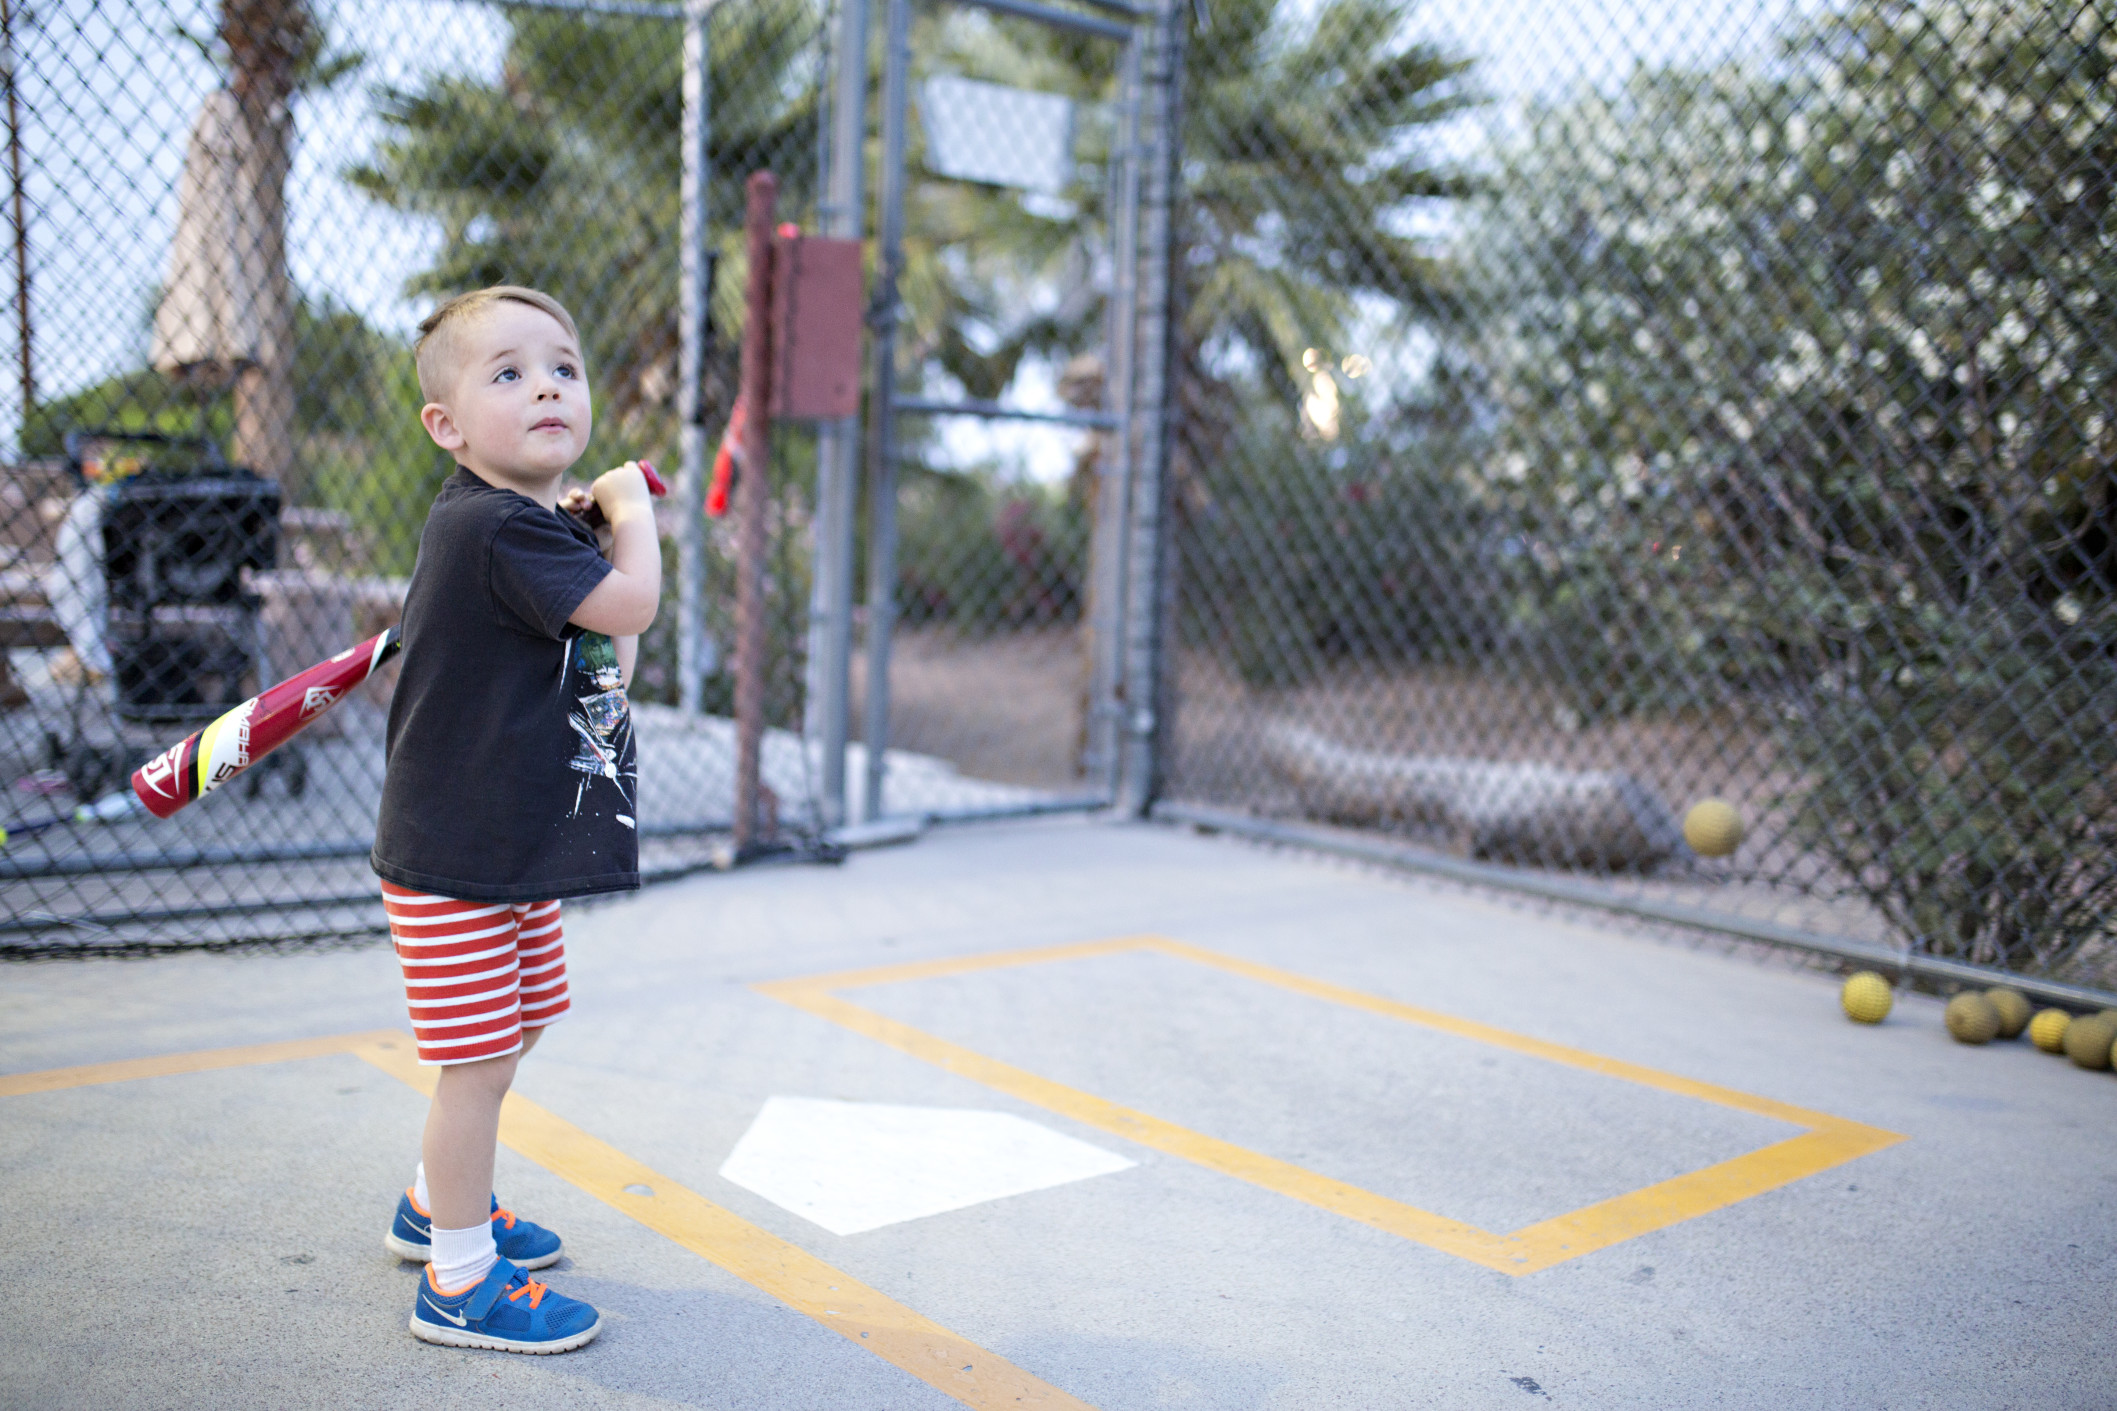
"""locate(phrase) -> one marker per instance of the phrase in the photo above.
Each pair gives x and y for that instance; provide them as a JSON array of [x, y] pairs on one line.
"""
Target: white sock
[[419, 1188], [462, 1257]]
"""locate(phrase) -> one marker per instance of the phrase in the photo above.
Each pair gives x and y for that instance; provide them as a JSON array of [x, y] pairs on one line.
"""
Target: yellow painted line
[[1240, 1162], [867, 1318], [960, 965], [202, 1061], [1487, 1034], [1697, 1193], [1828, 1141]]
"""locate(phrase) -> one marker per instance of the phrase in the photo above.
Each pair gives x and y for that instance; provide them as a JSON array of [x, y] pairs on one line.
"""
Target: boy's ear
[[440, 424]]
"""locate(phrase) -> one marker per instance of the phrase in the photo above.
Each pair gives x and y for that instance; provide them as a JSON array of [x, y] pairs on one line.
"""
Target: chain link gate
[[996, 597], [1588, 411], [227, 219]]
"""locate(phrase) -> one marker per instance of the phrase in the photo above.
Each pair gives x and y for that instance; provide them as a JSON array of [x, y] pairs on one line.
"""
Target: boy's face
[[518, 412]]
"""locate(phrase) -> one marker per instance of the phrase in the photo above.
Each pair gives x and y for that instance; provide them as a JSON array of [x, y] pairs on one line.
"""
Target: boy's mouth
[[550, 423]]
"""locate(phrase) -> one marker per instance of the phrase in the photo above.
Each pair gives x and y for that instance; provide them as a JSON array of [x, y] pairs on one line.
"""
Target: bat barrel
[[203, 762]]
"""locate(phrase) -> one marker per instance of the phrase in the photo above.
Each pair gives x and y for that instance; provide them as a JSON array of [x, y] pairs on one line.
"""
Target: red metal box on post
[[818, 310]]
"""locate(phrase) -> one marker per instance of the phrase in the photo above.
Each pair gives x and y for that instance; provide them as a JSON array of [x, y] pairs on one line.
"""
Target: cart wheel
[[92, 771]]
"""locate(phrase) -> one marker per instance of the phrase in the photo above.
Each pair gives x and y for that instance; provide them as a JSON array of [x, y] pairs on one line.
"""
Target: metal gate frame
[[1126, 535], [1127, 715]]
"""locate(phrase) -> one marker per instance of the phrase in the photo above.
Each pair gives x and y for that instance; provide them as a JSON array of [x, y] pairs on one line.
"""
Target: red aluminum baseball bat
[[208, 759], [203, 762]]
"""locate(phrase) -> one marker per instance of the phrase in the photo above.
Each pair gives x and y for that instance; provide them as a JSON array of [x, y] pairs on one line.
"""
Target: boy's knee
[[484, 1073]]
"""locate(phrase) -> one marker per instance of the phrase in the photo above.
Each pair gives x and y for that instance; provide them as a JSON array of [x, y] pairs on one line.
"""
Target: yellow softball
[[1712, 828], [2089, 1040], [1866, 997], [1972, 1019], [2013, 1007], [2048, 1030]]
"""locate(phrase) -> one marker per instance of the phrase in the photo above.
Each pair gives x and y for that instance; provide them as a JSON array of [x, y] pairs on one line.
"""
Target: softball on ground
[[1866, 997], [2089, 1040], [1972, 1019], [2013, 1007], [1712, 828], [2048, 1030]]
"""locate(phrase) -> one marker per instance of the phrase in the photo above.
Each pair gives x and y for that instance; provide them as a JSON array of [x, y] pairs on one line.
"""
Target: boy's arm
[[624, 603]]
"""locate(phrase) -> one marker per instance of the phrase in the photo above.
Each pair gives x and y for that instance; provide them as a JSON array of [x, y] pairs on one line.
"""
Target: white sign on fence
[[999, 136]]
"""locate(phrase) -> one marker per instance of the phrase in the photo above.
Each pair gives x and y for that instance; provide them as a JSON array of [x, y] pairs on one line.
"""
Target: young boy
[[511, 780]]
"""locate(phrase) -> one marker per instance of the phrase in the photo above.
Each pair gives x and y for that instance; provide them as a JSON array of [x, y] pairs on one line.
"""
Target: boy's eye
[[508, 374], [566, 370]]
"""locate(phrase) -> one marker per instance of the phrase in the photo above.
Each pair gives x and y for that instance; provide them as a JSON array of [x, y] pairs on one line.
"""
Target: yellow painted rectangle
[[1829, 1141]]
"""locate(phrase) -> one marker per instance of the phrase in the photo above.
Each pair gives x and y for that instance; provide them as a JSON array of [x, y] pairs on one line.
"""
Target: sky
[[110, 89]]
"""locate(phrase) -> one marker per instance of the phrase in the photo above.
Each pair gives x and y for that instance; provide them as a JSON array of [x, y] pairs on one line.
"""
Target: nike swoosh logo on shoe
[[457, 1319]]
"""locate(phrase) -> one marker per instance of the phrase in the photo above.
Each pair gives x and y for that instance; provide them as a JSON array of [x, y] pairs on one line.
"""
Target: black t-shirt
[[511, 770]]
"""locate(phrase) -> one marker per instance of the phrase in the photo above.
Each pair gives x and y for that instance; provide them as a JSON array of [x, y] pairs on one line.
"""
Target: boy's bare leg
[[462, 1128]]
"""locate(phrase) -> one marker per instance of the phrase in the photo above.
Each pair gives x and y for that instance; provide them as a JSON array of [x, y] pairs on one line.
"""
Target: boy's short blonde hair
[[439, 351]]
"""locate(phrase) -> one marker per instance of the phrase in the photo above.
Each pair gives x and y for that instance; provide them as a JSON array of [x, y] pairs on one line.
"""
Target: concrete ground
[[214, 1237]]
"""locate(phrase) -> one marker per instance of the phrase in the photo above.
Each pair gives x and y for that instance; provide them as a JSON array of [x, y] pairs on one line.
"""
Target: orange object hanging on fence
[[726, 461]]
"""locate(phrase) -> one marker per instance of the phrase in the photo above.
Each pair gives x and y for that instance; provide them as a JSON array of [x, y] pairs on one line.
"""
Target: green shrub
[[978, 551], [1843, 330]]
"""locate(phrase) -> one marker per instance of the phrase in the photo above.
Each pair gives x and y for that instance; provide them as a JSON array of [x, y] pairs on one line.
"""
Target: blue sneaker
[[508, 1311], [517, 1240]]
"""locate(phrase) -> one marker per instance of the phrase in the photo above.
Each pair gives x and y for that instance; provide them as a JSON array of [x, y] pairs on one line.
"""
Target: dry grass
[[1004, 706]]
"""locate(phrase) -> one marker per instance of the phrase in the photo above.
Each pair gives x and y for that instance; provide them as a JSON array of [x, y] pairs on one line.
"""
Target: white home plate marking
[[856, 1166]]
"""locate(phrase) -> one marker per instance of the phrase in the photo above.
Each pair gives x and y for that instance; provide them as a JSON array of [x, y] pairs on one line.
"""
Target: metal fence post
[[882, 466], [842, 215], [1107, 566], [694, 300], [25, 347], [753, 489], [1147, 603]]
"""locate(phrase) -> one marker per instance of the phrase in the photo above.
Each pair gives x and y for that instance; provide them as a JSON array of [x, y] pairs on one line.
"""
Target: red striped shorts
[[476, 974]]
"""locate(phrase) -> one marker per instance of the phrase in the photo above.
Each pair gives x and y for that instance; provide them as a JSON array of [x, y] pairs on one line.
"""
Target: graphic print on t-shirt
[[600, 722]]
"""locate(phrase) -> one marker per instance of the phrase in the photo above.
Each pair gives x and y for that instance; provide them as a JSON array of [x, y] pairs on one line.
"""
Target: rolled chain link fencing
[[1590, 410], [228, 222]]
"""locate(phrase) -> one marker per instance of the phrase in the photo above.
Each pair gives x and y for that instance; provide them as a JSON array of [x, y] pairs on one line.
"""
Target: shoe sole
[[421, 1253], [463, 1337]]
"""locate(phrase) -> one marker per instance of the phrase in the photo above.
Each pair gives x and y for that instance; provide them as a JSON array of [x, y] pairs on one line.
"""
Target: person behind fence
[[510, 782]]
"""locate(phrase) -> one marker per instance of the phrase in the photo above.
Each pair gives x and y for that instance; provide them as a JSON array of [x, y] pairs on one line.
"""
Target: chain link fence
[[1587, 411], [228, 220], [1577, 412]]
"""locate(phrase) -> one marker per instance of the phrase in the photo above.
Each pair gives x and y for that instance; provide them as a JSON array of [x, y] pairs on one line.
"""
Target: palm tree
[[1300, 161], [1300, 164], [564, 175], [272, 50]]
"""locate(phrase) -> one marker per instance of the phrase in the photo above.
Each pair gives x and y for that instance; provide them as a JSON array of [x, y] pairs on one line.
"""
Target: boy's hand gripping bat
[[591, 514]]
